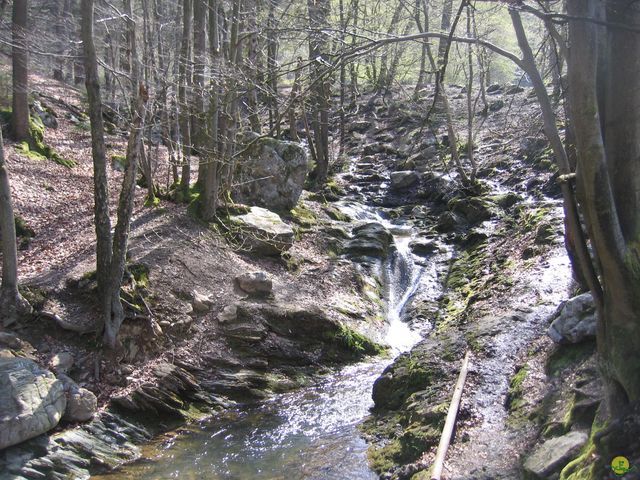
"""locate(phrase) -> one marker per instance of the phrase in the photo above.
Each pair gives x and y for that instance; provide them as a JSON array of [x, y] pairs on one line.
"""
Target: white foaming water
[[402, 276]]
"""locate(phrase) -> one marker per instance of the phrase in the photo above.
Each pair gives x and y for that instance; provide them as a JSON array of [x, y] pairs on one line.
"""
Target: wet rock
[[474, 209], [297, 334], [82, 404], [32, 400], [575, 322], [256, 284], [448, 222], [61, 362], [271, 173], [430, 363], [170, 393], [263, 232], [553, 455], [371, 239], [423, 246], [404, 179]]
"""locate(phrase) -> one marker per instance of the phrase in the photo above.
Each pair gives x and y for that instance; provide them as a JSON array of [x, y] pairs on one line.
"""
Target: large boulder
[[32, 400], [262, 231], [575, 322], [553, 454], [271, 173]]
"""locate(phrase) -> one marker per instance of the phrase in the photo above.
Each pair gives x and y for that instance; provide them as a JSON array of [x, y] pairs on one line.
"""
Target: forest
[[320, 239]]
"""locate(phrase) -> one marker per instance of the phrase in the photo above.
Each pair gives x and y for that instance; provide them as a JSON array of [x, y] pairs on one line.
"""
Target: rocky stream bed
[[339, 361]]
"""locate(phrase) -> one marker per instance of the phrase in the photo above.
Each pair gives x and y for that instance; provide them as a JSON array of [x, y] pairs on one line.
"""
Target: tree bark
[[597, 144], [100, 182], [20, 61], [125, 211], [12, 304], [183, 95]]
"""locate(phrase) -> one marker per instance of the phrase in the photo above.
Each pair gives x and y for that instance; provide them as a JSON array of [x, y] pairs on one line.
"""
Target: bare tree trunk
[[251, 64], [318, 18], [183, 94], [12, 304], [198, 118], [470, 109], [20, 61], [100, 182], [272, 74], [125, 211]]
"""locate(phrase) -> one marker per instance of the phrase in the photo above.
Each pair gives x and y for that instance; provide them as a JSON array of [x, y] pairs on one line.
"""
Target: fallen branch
[[450, 423]]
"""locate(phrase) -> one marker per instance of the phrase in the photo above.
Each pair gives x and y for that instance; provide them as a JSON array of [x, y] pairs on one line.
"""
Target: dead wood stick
[[447, 431]]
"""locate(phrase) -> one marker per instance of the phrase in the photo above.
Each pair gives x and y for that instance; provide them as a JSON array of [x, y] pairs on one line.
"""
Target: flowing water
[[307, 434]]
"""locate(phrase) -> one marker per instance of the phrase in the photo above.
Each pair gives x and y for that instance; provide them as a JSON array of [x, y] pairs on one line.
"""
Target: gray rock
[[371, 240], [404, 179], [201, 303], [495, 88], [82, 404], [61, 362], [575, 322], [47, 117], [263, 232], [423, 247], [553, 455], [228, 314], [271, 173], [32, 400], [254, 283], [514, 89], [497, 105]]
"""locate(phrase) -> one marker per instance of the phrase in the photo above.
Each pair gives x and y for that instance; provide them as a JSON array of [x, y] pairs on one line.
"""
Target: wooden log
[[452, 413]]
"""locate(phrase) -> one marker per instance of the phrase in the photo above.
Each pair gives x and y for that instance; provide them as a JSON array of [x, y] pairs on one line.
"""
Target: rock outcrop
[[263, 232], [271, 173], [553, 454], [32, 400]]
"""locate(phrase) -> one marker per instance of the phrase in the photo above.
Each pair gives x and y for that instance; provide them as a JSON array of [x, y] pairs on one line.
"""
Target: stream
[[310, 433]]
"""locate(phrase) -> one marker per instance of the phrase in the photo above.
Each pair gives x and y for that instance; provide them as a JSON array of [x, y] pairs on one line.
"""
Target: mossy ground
[[35, 147]]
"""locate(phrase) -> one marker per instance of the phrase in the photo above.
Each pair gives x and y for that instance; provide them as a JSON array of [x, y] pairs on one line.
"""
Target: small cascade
[[400, 274]]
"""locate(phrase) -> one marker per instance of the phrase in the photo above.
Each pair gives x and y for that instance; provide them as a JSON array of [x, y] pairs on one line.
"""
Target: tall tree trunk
[[198, 118], [251, 64], [183, 96], [20, 61], [12, 304], [100, 182], [121, 232], [318, 18]]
